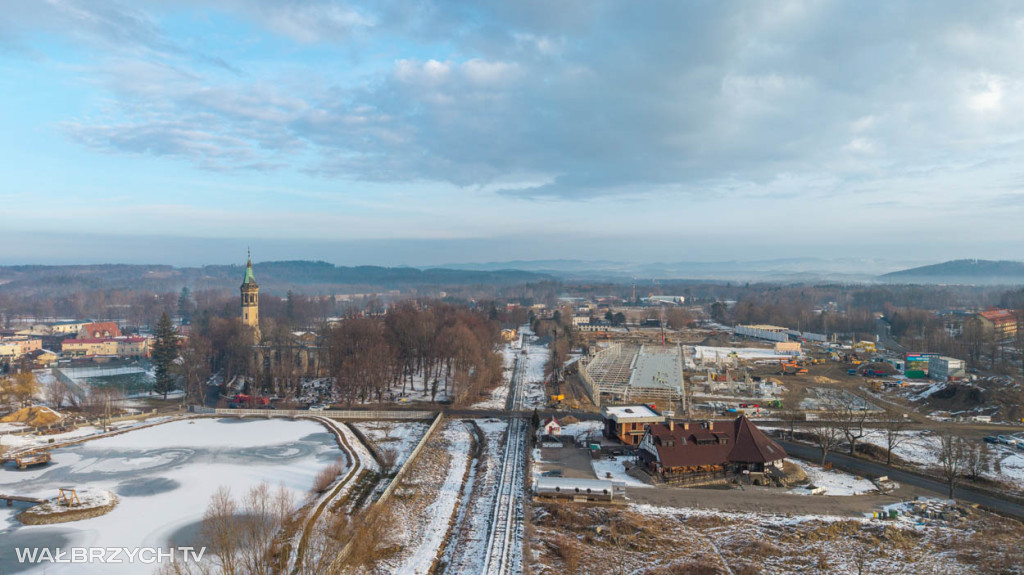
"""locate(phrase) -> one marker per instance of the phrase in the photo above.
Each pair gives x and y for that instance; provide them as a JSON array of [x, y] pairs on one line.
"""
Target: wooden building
[[692, 452]]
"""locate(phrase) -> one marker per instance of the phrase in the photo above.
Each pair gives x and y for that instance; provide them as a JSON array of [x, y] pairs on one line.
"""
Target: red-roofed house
[[689, 452], [103, 329], [550, 426], [1003, 323]]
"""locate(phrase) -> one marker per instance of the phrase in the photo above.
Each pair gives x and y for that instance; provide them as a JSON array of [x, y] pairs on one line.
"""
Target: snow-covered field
[[402, 436], [164, 477], [834, 482], [921, 449]]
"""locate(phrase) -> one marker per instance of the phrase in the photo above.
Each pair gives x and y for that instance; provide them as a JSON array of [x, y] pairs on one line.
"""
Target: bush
[[327, 475]]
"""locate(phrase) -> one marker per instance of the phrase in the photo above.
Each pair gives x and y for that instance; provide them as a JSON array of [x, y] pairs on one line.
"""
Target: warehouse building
[[768, 332], [944, 368]]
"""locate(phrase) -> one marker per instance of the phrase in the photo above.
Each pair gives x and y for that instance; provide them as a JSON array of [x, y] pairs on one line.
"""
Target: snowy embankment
[[532, 360], [399, 436], [432, 534], [536, 358], [16, 442], [358, 449], [499, 395], [468, 555]]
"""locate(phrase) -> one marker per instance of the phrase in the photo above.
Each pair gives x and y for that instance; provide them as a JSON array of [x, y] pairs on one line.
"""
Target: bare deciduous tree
[[954, 457], [828, 435], [893, 424], [57, 392]]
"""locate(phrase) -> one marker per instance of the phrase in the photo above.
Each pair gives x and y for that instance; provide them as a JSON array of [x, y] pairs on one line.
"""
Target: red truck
[[243, 399]]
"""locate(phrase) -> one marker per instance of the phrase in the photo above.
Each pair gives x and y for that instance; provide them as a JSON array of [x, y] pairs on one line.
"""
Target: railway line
[[504, 546]]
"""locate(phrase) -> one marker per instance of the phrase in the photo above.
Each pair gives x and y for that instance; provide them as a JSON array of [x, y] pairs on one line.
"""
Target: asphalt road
[[868, 468]]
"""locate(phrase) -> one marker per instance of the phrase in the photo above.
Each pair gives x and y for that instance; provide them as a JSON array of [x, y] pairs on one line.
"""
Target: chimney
[[711, 425], [686, 426], [671, 425]]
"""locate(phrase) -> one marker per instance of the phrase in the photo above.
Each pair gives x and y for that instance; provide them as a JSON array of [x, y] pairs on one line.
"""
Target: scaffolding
[[633, 373]]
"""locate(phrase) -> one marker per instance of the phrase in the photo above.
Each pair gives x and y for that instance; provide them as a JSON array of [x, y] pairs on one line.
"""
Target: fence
[[331, 413], [410, 460], [343, 554]]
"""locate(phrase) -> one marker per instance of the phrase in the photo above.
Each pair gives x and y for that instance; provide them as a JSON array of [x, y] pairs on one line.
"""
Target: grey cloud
[[610, 98]]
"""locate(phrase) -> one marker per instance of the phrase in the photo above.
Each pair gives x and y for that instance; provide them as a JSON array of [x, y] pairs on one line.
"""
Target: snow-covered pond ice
[[164, 477]]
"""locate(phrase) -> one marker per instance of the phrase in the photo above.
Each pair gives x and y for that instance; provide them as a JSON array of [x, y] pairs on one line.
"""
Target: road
[[871, 469], [885, 338]]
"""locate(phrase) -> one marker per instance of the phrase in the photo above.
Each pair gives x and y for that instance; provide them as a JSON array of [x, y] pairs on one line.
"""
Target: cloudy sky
[[424, 132]]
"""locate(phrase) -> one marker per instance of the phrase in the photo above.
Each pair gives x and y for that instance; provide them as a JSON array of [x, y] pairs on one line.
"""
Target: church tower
[[251, 300]]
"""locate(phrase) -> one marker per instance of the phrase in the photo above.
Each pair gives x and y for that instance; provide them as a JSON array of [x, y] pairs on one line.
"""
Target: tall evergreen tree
[[185, 306], [165, 351]]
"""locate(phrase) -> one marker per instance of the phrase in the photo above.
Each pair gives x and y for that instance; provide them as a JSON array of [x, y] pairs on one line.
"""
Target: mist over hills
[[274, 277], [324, 277], [982, 272], [782, 270]]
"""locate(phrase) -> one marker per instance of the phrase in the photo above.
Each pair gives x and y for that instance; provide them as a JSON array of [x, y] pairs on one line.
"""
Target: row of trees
[[843, 426], [431, 348]]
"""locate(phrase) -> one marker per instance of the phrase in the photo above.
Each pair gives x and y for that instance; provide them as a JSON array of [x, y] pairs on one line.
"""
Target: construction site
[[712, 372]]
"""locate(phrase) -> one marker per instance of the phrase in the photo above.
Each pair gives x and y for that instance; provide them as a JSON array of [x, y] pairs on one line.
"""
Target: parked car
[[991, 439], [317, 408], [553, 473]]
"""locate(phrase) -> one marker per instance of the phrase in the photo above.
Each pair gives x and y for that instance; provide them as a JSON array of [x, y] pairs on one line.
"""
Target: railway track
[[503, 554]]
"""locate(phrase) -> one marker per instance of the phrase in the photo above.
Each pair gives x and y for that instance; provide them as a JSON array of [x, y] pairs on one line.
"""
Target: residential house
[[103, 329]]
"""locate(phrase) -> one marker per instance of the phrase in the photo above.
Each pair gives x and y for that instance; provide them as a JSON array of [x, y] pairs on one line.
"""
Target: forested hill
[[962, 272], [275, 277]]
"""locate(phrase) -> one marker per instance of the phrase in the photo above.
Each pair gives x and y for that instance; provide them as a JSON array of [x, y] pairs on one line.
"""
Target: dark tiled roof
[[738, 441]]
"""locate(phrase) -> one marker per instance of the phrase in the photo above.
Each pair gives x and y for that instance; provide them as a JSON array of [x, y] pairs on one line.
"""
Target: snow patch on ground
[[582, 429], [400, 436], [432, 534], [834, 482], [616, 468]]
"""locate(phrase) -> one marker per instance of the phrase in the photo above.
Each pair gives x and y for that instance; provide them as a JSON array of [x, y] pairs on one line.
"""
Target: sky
[[423, 132]]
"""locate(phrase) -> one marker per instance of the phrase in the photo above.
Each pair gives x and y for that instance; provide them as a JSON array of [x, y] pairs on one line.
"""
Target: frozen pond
[[164, 477]]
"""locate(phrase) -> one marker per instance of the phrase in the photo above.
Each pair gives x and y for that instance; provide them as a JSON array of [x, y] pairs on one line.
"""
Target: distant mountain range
[[322, 277], [780, 270], [275, 277], [983, 272]]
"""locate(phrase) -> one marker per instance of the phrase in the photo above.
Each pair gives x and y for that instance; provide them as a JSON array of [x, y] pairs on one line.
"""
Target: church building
[[251, 301]]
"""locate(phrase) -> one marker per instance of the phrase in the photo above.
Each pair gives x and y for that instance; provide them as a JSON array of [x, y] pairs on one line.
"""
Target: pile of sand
[[36, 416], [823, 379]]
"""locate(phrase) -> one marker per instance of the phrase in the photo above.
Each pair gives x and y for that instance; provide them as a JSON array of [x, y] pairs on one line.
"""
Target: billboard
[[917, 364]]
